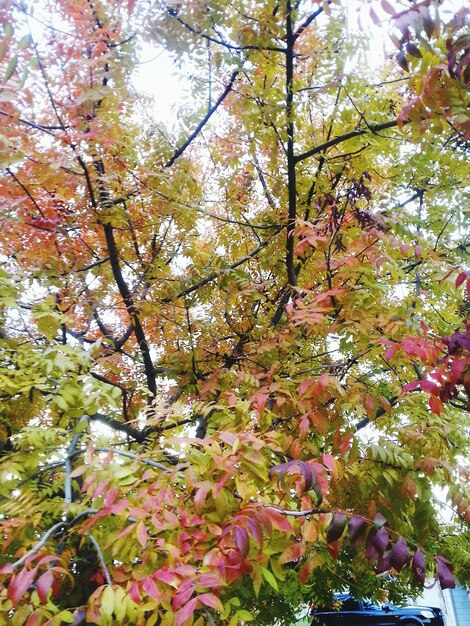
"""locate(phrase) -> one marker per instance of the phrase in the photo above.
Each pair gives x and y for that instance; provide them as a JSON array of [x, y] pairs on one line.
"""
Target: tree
[[235, 355]]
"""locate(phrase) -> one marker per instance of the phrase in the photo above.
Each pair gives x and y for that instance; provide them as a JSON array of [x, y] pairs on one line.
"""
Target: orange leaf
[[292, 553]]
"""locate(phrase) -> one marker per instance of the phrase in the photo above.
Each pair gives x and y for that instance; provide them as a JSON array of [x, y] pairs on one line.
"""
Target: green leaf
[[267, 575], [11, 67]]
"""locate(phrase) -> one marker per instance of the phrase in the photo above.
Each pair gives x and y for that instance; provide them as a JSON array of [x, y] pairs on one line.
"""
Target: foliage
[[234, 353]]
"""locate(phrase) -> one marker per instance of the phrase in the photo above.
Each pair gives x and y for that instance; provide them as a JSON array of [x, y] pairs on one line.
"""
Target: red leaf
[[43, 585], [429, 387], [344, 445], [255, 531], [436, 405], [166, 576], [278, 520], [369, 405], [185, 613], [35, 618], [460, 278], [402, 62]]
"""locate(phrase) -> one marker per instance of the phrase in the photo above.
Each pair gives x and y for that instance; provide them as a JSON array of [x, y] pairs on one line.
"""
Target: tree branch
[[50, 533], [136, 434], [291, 174], [101, 558], [204, 121], [373, 128], [213, 275], [308, 21]]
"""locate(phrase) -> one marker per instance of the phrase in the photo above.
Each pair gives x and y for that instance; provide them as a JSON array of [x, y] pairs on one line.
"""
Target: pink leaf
[[210, 600], [20, 583], [185, 613], [110, 496], [142, 534], [304, 385], [182, 597], [150, 588], [134, 593], [387, 7], [411, 386], [391, 351], [43, 585], [329, 461]]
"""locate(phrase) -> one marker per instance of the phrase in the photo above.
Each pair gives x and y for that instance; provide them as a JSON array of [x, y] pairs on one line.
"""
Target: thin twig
[[373, 128], [101, 558], [204, 120]]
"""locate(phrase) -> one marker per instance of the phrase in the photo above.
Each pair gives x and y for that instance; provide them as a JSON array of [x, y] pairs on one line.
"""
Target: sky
[[157, 76]]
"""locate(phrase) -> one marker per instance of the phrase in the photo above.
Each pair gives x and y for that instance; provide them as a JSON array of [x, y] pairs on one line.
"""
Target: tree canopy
[[234, 349]]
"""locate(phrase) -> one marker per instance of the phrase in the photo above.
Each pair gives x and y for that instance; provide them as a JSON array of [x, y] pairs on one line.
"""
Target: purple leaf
[[241, 541], [356, 527], [413, 50], [444, 573], [371, 553], [402, 62], [379, 520], [400, 554], [428, 23], [383, 564], [381, 539], [418, 566], [336, 527]]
